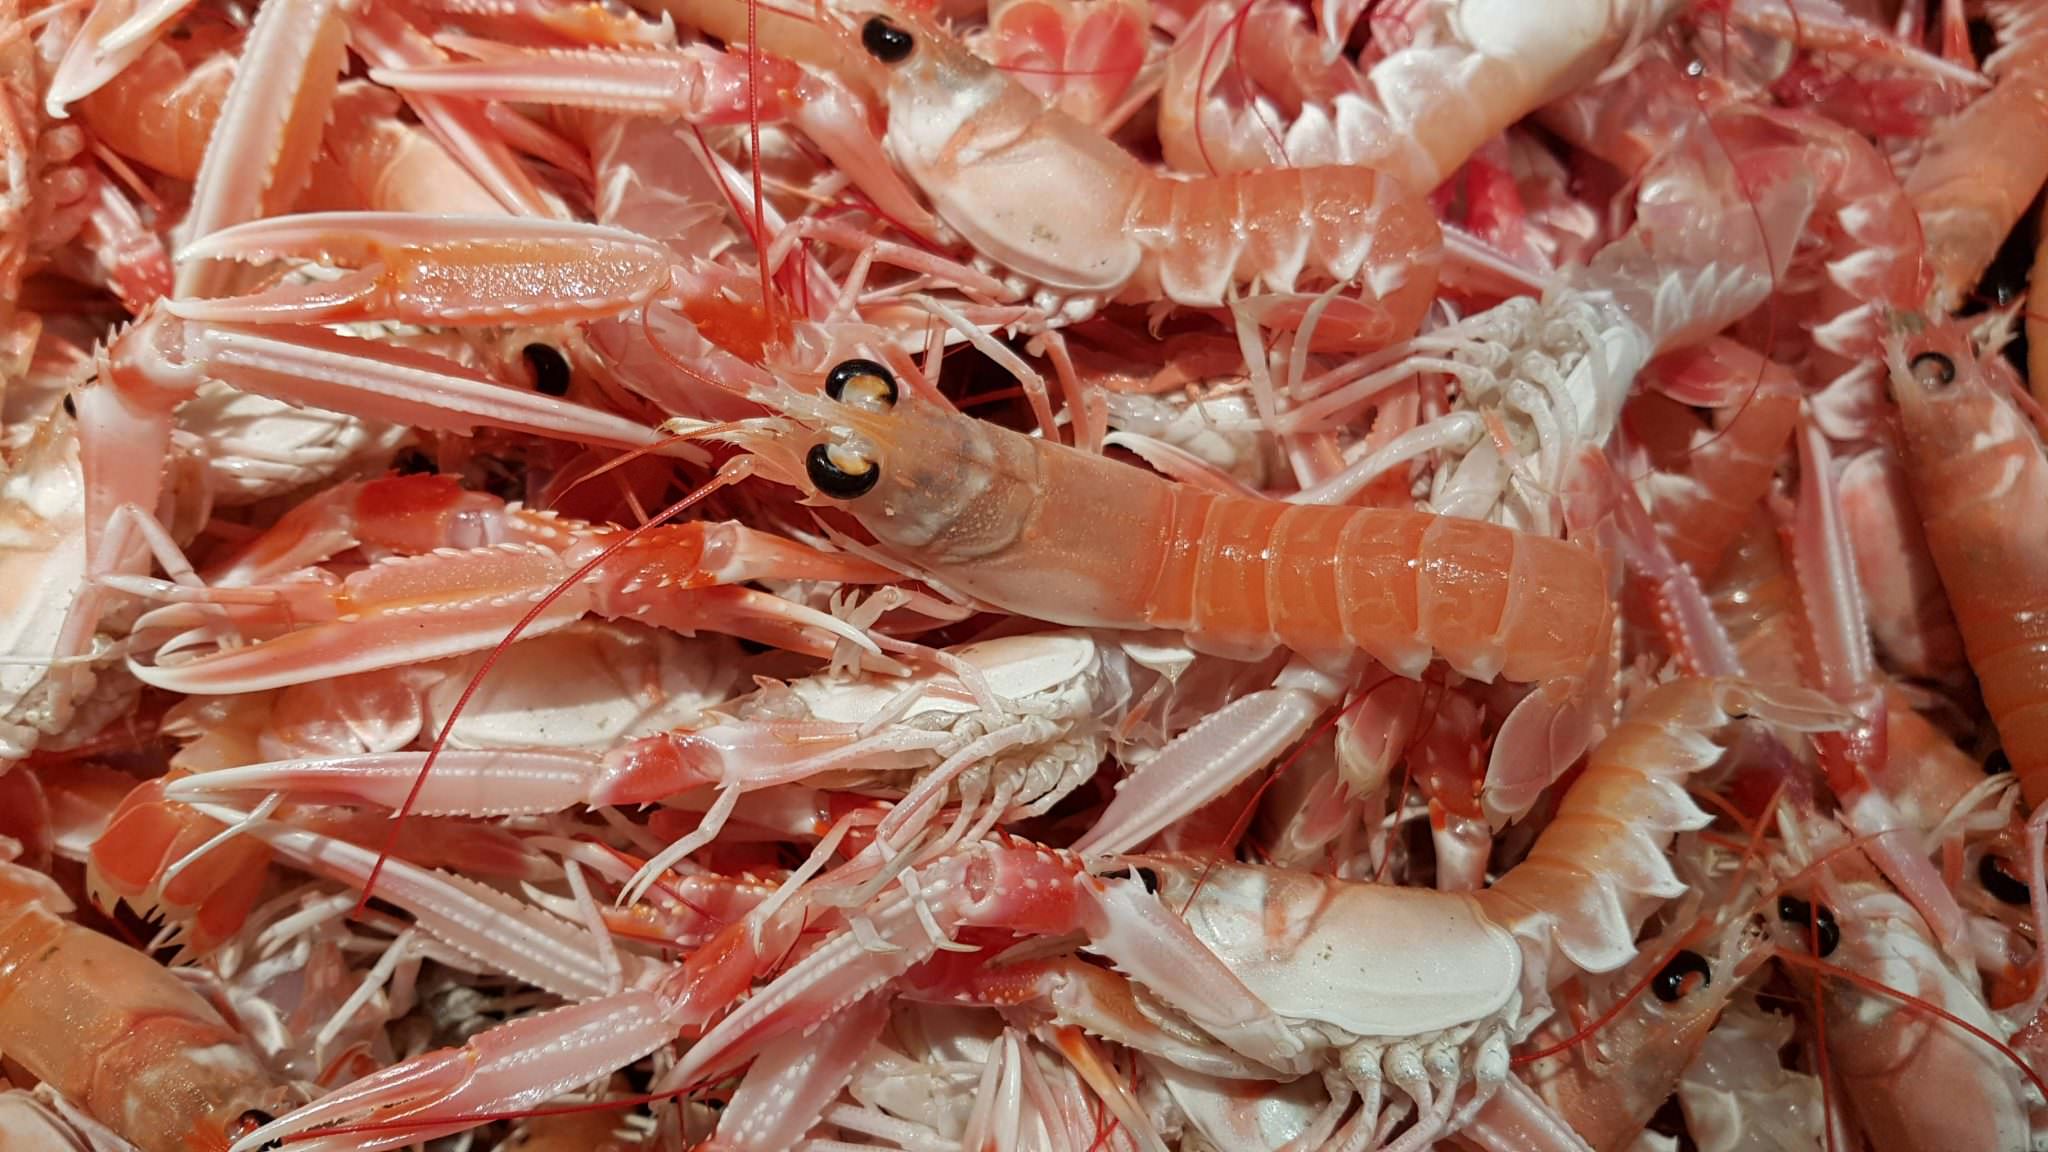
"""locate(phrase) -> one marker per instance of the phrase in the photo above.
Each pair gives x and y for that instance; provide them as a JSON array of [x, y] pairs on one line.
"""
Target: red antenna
[[734, 471]]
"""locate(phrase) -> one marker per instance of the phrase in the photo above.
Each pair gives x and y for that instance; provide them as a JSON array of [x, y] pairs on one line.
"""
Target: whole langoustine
[[1051, 532], [1980, 478]]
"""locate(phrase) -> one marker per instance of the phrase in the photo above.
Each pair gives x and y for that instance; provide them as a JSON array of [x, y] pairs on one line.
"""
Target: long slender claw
[[1024, 889], [1107, 1084], [538, 781], [124, 438], [829, 978], [414, 1085], [1827, 28], [759, 616], [492, 928], [1824, 564], [115, 34], [415, 608], [1201, 764], [201, 612], [795, 1077], [322, 369], [1145, 938], [268, 135], [515, 1066], [455, 605], [698, 84], [1101, 1003], [589, 22], [515, 782], [436, 269]]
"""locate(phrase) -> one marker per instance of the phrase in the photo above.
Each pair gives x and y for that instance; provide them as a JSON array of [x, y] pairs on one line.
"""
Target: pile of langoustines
[[1065, 575]]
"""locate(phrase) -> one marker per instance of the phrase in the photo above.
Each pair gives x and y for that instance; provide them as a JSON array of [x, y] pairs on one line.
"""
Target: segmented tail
[[1599, 869]]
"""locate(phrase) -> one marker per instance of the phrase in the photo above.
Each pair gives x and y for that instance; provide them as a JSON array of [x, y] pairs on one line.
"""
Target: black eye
[[1830, 932], [863, 384], [1997, 762], [885, 41], [1793, 910], [840, 474], [1685, 974], [70, 405], [2000, 883], [1933, 370], [550, 369], [249, 1122]]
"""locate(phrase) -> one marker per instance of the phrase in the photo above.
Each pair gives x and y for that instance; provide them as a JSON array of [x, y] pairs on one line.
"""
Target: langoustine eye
[[885, 41], [251, 1122], [1828, 934], [840, 472], [862, 384], [1687, 972], [549, 367], [1933, 370], [1994, 874]]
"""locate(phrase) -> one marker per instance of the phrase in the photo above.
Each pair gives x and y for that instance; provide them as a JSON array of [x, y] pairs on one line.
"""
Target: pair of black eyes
[[1793, 910], [885, 41], [836, 472]]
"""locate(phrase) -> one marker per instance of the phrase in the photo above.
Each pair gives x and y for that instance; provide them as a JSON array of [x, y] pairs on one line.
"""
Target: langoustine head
[[1952, 387], [910, 58], [919, 476], [1609, 1079], [119, 1036], [893, 49]]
